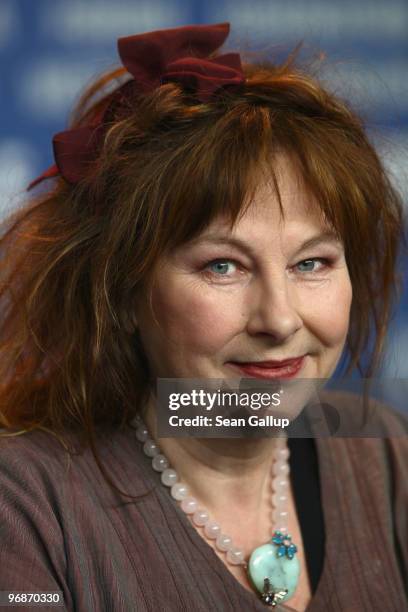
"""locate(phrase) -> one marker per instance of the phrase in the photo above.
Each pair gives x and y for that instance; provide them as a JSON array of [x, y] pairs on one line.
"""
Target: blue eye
[[309, 264], [221, 267]]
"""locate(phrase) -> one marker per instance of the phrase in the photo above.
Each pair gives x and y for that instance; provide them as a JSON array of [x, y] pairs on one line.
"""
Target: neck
[[220, 471]]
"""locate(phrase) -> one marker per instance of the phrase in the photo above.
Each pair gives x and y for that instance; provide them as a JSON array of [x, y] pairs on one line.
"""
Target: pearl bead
[[279, 500], [169, 477], [200, 517], [150, 448], [160, 463], [179, 491], [189, 505], [280, 518], [223, 542], [142, 433], [280, 468], [212, 530], [282, 454], [280, 485], [235, 556]]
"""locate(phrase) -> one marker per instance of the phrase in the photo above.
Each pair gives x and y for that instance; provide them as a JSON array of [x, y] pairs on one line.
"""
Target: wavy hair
[[75, 257]]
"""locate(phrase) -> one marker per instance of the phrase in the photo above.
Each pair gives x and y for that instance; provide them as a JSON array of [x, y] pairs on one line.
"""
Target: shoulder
[[368, 436], [369, 453], [30, 456], [362, 435], [42, 463], [356, 415], [30, 469], [34, 485], [41, 443]]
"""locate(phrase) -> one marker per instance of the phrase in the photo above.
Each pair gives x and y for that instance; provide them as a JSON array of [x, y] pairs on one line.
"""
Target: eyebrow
[[328, 237]]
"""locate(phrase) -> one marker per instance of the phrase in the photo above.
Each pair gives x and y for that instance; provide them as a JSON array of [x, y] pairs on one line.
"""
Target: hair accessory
[[154, 58], [272, 568], [181, 55]]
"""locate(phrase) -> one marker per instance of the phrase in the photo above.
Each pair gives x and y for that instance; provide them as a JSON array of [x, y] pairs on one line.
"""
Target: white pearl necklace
[[198, 515]]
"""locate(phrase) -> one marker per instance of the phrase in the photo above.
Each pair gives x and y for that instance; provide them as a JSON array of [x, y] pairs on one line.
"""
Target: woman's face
[[273, 288]]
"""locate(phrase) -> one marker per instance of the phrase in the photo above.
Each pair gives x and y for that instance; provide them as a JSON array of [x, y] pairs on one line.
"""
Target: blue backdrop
[[51, 48]]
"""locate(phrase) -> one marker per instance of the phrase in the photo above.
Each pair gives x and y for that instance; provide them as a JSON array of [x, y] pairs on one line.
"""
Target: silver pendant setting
[[271, 596]]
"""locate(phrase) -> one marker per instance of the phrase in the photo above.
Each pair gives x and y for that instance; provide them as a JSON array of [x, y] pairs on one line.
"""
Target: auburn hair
[[74, 259]]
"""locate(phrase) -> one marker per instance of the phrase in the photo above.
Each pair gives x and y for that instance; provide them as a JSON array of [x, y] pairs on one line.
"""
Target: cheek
[[196, 316], [329, 314]]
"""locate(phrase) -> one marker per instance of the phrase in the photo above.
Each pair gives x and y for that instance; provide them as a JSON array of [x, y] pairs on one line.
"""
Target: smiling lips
[[287, 368]]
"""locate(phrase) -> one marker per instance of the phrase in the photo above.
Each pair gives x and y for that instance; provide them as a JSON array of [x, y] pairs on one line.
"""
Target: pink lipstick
[[286, 368]]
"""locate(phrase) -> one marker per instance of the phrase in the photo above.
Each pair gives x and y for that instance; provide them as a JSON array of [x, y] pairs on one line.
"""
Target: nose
[[274, 311]]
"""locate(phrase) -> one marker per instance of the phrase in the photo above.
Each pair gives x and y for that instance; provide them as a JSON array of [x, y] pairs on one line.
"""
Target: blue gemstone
[[281, 550], [277, 539], [282, 573]]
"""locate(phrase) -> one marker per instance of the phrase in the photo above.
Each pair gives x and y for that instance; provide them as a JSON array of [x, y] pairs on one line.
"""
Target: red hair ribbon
[[178, 54]]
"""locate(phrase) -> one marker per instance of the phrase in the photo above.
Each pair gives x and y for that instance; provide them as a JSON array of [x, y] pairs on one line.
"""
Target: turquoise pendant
[[274, 569]]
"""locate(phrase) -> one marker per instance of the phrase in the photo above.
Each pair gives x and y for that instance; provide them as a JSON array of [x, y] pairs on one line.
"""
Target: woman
[[205, 220]]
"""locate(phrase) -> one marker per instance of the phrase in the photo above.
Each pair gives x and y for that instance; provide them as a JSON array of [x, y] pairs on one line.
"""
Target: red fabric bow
[[178, 54]]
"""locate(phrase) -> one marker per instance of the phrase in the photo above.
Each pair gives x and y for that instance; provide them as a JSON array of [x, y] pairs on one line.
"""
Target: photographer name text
[[252, 420]]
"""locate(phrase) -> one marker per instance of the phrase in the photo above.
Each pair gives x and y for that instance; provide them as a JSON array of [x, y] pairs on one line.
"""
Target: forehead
[[281, 205]]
